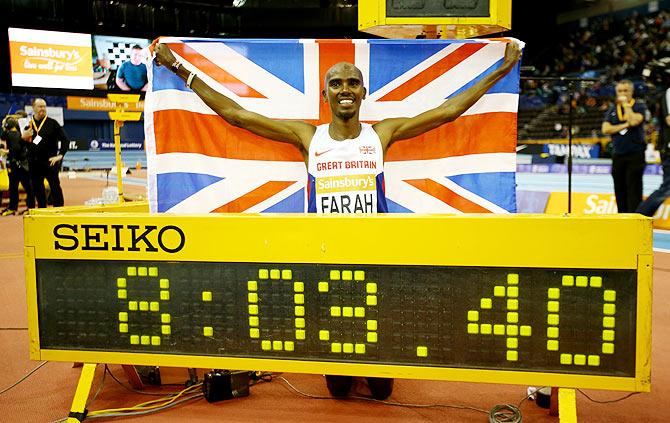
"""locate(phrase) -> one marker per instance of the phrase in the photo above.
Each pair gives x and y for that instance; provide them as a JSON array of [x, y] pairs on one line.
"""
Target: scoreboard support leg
[[78, 409], [567, 406]]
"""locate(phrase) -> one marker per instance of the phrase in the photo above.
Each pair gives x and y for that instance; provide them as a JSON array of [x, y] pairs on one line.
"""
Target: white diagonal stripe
[[464, 72], [412, 72], [224, 168], [449, 166]]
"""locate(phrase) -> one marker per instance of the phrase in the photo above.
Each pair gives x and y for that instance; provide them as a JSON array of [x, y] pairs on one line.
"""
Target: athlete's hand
[[512, 54], [164, 56]]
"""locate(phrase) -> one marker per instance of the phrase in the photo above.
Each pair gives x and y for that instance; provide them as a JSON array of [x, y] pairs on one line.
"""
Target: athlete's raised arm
[[395, 129], [297, 133]]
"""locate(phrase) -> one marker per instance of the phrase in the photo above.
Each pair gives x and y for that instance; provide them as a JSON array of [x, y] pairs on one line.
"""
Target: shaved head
[[342, 67]]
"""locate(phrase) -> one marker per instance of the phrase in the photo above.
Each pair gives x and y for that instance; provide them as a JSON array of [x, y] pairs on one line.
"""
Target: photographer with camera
[[17, 165]]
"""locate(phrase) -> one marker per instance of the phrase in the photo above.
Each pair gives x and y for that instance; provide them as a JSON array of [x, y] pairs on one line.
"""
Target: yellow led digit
[[133, 277], [508, 293], [351, 312], [275, 278], [608, 319]]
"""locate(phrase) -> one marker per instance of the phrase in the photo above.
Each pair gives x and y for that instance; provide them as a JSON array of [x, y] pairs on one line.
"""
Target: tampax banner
[[198, 163], [50, 59]]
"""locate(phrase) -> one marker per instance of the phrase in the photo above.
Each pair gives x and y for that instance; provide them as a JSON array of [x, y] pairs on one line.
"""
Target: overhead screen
[[49, 59], [66, 60], [110, 53]]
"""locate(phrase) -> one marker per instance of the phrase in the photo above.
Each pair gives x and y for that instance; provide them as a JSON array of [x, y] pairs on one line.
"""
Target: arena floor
[[46, 395]]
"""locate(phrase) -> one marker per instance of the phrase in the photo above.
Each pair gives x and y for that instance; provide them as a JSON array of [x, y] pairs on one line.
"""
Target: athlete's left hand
[[512, 54]]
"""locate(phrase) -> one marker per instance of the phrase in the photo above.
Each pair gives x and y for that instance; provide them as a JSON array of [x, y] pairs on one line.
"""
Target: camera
[[657, 72]]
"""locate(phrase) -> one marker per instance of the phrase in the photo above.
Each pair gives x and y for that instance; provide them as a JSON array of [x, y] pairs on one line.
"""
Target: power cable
[[607, 401], [24, 377]]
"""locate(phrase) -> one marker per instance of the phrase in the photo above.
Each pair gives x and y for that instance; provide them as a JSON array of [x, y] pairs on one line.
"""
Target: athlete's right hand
[[164, 56]]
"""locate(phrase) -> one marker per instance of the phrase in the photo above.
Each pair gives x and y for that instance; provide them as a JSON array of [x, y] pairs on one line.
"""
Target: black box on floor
[[220, 385]]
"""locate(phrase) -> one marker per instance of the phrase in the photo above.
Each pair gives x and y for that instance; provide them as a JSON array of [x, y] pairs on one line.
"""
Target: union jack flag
[[199, 163]]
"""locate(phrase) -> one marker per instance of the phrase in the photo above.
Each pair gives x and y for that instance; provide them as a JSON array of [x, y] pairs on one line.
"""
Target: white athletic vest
[[346, 176]]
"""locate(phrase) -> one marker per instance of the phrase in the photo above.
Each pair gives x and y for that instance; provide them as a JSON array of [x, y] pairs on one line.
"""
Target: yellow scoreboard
[[525, 299], [451, 18]]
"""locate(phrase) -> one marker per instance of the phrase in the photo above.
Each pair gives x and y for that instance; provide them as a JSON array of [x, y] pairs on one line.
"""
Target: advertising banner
[[101, 104], [599, 203], [50, 59]]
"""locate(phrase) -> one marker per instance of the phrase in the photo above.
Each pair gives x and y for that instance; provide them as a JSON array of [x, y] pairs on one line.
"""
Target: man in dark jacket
[[624, 122], [48, 146], [654, 201]]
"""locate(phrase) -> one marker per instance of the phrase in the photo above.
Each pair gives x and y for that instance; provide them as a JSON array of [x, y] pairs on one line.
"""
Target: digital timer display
[[540, 300], [535, 319]]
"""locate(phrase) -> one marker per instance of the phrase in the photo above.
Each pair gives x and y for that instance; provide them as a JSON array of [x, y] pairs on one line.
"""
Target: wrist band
[[189, 81], [175, 65]]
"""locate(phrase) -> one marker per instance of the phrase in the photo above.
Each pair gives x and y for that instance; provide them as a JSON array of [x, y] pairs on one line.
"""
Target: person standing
[[48, 145], [17, 164], [330, 149], [649, 206], [624, 122]]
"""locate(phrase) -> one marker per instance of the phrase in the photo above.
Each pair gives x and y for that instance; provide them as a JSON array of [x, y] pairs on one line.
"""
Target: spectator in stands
[[654, 201], [17, 165], [624, 122], [132, 74], [45, 155]]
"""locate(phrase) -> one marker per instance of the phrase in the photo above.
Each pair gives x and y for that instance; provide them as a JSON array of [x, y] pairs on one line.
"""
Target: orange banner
[[101, 104], [50, 59]]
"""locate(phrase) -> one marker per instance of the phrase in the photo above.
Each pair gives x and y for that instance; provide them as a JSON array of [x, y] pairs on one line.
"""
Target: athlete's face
[[344, 90]]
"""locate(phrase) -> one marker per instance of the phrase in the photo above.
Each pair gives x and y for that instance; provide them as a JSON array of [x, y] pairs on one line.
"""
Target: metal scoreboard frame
[[383, 18], [516, 245]]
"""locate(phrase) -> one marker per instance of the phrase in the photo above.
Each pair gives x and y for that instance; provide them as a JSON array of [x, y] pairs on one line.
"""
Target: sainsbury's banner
[[50, 59], [600, 203], [199, 163], [101, 104]]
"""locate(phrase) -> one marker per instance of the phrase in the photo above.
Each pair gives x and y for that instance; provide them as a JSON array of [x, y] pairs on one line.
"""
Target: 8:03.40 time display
[[562, 320]]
